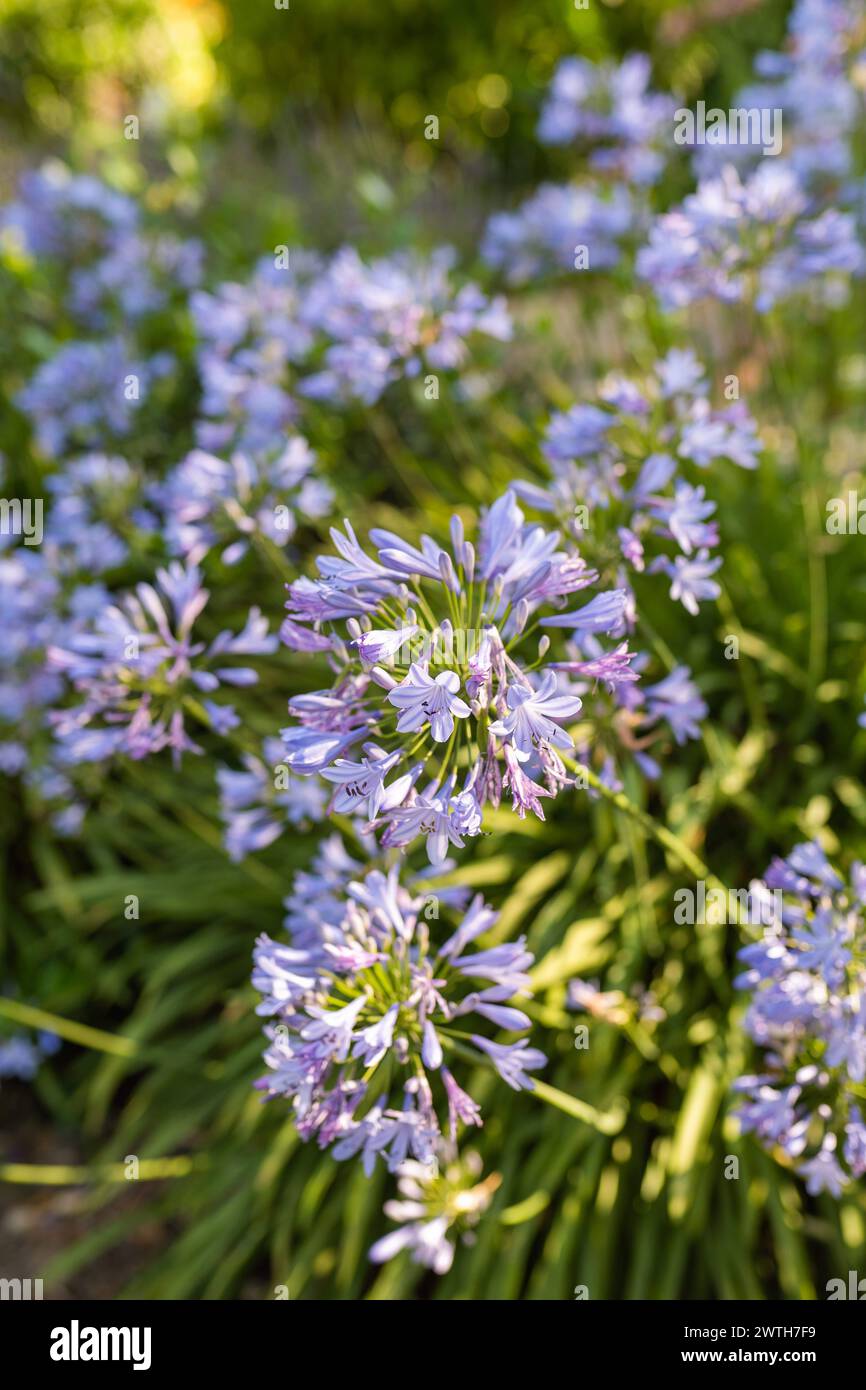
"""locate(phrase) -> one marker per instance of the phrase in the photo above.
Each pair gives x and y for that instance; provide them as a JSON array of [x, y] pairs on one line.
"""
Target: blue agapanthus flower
[[251, 337], [29, 598], [758, 241], [43, 601], [142, 672], [440, 1203], [815, 82], [390, 319], [807, 1012], [96, 513], [562, 228], [89, 236], [609, 112], [87, 395], [338, 331], [443, 692], [259, 802], [209, 502], [608, 117], [622, 475], [373, 1003]]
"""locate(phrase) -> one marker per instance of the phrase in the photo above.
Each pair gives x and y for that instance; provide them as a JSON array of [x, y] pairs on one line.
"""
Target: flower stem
[[605, 1121], [79, 1033], [660, 833], [64, 1174]]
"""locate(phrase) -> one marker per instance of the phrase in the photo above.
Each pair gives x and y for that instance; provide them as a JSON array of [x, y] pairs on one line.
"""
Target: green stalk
[[605, 1121], [63, 1174], [660, 833], [80, 1033]]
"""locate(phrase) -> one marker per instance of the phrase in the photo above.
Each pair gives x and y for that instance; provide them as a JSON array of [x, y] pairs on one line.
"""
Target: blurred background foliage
[[318, 109], [261, 126]]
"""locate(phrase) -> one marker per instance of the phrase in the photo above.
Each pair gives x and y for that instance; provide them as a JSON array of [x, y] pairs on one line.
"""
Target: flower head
[[87, 237], [250, 337], [610, 110], [437, 677], [393, 318], [756, 241], [541, 236], [441, 1202], [807, 979], [368, 1001], [142, 670], [261, 801], [97, 514], [620, 474], [209, 501], [88, 394]]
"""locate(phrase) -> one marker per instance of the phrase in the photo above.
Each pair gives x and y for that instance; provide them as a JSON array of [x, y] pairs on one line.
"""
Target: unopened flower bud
[[446, 569], [521, 615], [381, 677], [469, 561]]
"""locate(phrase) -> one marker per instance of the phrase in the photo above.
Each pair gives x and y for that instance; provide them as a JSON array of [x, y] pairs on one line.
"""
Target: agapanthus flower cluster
[[807, 979], [29, 595], [393, 318], [370, 1006], [61, 215], [96, 512], [339, 331], [43, 601], [210, 502], [624, 486], [609, 111], [261, 801], [250, 337], [755, 242], [622, 475], [142, 671], [440, 1204], [817, 82], [641, 719], [90, 236], [111, 277], [48, 594], [562, 228], [443, 694], [607, 114], [88, 394]]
